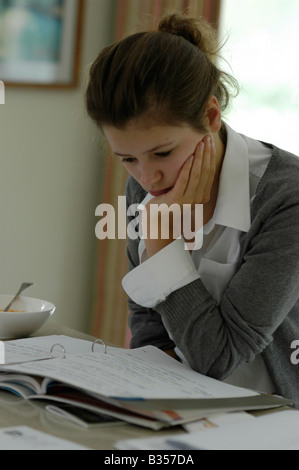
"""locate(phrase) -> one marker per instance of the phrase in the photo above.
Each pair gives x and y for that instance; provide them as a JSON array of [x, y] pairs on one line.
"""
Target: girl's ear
[[213, 115]]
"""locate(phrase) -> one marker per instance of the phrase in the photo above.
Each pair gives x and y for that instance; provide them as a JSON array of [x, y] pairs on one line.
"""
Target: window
[[262, 53]]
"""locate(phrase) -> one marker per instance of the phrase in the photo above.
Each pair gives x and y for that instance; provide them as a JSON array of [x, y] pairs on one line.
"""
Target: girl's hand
[[193, 186]]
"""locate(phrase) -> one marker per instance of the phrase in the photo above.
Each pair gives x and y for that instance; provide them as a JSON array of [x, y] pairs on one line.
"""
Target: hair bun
[[197, 31]]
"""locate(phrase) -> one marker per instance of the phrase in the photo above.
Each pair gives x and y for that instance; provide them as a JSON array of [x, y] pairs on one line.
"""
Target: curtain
[[109, 312]]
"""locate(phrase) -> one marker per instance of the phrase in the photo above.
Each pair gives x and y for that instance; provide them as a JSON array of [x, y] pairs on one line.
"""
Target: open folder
[[143, 386]]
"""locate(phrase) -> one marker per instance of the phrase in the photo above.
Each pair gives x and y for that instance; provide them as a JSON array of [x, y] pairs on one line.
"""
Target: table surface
[[15, 411]]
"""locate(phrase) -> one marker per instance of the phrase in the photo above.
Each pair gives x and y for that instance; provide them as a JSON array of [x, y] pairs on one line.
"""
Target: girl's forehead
[[135, 132], [126, 140]]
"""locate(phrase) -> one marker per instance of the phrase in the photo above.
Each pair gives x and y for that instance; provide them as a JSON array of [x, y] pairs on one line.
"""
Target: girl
[[229, 308]]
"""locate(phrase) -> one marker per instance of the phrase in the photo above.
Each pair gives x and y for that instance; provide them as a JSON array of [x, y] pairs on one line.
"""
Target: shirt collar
[[233, 202]]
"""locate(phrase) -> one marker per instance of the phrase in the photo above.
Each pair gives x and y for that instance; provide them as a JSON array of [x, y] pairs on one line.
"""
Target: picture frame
[[40, 42]]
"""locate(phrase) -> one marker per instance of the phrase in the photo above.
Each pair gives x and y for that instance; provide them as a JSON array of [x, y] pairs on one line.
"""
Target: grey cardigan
[[259, 310]]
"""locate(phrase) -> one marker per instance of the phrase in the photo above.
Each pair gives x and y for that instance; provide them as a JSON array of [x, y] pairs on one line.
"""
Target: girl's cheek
[[133, 171]]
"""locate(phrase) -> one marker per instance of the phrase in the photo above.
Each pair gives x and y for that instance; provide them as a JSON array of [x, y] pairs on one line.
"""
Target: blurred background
[[55, 169]]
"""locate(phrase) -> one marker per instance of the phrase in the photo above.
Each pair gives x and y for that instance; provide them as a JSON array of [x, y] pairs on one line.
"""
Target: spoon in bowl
[[24, 286]]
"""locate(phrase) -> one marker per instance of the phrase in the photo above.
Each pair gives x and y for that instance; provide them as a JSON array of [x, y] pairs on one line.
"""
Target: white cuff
[[168, 270]]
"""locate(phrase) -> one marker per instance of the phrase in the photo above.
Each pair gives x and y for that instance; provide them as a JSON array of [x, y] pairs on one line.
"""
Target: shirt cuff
[[151, 282]]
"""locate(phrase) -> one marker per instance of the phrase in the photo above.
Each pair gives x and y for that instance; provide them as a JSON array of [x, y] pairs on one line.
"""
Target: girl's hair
[[167, 75]]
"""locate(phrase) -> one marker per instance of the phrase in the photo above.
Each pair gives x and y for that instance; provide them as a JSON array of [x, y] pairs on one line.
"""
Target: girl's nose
[[149, 175]]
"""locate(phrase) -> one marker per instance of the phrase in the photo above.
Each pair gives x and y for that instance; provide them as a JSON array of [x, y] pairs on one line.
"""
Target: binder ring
[[101, 342], [60, 346]]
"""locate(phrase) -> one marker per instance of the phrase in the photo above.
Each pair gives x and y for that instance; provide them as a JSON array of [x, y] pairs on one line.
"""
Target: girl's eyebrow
[[158, 147]]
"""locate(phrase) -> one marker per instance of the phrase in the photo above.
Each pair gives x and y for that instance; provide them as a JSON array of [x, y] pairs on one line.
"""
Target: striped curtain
[[109, 313]]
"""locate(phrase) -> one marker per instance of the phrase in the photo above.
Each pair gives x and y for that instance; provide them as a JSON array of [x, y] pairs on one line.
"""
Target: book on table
[[143, 386]]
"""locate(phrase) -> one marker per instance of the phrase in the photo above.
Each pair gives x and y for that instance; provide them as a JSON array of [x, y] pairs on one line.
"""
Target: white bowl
[[28, 316]]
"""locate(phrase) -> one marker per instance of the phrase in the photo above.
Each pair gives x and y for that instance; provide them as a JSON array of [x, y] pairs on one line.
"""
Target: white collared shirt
[[173, 267]]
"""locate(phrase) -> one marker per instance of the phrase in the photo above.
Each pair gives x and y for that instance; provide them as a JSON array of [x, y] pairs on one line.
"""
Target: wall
[[50, 176]]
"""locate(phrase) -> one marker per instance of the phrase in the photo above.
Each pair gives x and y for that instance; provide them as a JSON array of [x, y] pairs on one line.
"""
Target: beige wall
[[50, 175]]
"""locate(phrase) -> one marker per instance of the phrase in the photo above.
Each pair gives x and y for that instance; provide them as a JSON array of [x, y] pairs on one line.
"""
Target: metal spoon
[[24, 286]]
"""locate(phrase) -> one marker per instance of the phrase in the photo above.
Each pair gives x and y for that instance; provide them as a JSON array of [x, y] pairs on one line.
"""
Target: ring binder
[[97, 341], [101, 342], [60, 346], [45, 353]]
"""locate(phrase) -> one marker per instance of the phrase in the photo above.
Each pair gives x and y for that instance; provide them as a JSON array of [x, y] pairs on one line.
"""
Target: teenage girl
[[229, 308]]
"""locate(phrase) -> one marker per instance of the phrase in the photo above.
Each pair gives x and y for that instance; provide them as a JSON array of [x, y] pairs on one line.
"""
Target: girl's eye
[[163, 154], [158, 154], [127, 160]]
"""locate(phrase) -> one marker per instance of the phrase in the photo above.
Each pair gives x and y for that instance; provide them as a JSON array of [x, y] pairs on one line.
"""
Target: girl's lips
[[159, 193]]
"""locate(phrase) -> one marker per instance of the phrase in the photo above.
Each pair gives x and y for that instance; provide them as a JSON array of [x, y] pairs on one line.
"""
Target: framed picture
[[40, 42]]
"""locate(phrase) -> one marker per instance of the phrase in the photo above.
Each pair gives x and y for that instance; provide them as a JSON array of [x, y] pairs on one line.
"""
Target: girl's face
[[153, 154]]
